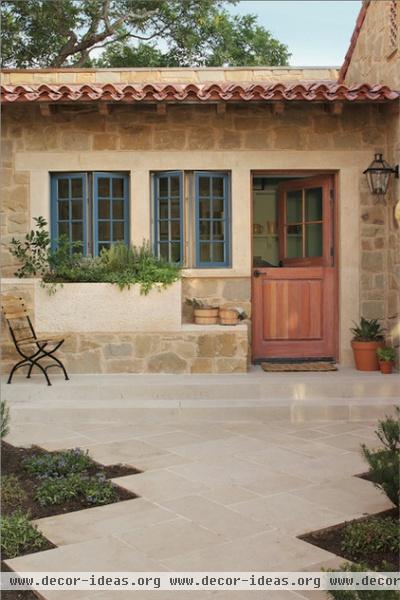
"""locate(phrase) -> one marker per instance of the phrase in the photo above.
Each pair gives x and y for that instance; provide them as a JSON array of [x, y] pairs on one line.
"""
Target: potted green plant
[[203, 313], [368, 337], [386, 358]]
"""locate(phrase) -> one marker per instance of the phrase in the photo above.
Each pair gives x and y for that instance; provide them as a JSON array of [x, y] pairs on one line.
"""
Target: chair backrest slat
[[16, 315]]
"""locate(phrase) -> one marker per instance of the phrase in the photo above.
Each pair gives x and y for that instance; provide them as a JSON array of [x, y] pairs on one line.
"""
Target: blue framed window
[[90, 208], [212, 212], [110, 209], [69, 208], [168, 216]]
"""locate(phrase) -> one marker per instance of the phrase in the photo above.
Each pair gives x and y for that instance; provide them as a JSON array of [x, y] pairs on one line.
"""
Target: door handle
[[257, 273]]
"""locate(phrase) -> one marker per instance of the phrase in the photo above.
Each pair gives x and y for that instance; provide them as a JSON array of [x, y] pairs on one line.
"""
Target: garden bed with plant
[[371, 542]]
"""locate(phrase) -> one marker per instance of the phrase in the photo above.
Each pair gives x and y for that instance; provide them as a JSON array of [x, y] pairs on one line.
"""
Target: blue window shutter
[[213, 219], [68, 210], [168, 216], [110, 210]]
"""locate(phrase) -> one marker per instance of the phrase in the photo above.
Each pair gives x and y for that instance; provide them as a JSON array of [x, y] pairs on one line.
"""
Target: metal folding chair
[[32, 349]]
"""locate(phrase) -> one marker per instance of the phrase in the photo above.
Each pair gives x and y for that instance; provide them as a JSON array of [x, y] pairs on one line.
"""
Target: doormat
[[273, 367]]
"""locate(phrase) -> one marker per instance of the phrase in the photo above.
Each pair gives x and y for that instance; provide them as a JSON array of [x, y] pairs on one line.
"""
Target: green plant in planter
[[196, 303], [32, 252], [360, 594], [374, 536], [384, 463], [19, 535], [368, 330], [386, 354]]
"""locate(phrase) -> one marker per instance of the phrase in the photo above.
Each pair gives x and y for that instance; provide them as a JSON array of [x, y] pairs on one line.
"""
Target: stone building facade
[[239, 137]]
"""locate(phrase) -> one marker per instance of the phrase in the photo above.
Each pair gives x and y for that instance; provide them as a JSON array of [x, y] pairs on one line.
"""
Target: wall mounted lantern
[[378, 175]]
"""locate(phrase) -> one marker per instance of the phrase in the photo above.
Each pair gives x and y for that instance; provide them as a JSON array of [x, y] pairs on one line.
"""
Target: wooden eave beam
[[221, 108], [46, 109], [278, 108], [104, 109], [334, 108], [161, 109]]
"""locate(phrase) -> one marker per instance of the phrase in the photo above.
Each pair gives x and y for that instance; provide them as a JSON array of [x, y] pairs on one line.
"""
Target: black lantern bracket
[[378, 175]]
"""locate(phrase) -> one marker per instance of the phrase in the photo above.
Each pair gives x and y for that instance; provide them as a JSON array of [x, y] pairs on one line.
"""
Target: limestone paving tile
[[159, 461], [37, 433], [219, 519], [126, 451], [228, 494], [159, 485], [206, 430], [221, 471], [267, 551], [288, 512], [84, 525], [124, 432], [208, 450], [351, 441], [171, 439], [352, 496], [173, 538], [101, 554], [274, 482]]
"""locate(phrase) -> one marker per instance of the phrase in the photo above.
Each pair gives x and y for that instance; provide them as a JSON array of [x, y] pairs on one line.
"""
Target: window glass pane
[[314, 239], [103, 188], [104, 246], [104, 209], [218, 230], [294, 206], [118, 187], [163, 209], [294, 241], [63, 210], [63, 229], [77, 209], [77, 188], [218, 186], [175, 252], [314, 204], [77, 232], [205, 230], [205, 252], [175, 187], [163, 186], [204, 186], [164, 229], [118, 231], [63, 188], [118, 209], [218, 209], [175, 230], [104, 231], [218, 252], [164, 251], [175, 209], [204, 209]]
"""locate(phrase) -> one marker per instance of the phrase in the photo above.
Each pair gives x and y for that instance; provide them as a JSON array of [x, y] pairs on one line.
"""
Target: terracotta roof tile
[[208, 92]]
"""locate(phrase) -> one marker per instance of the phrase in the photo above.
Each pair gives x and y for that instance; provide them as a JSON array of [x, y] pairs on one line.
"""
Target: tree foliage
[[134, 33]]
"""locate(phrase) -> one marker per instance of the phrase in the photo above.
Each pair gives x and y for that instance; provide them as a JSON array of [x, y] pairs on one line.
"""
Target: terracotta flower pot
[[206, 316], [365, 355], [386, 367]]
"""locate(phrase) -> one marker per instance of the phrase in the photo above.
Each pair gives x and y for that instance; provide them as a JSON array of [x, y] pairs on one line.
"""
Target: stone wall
[[375, 61]]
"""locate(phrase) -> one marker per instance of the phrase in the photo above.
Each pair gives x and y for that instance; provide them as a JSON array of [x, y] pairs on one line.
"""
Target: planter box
[[98, 307]]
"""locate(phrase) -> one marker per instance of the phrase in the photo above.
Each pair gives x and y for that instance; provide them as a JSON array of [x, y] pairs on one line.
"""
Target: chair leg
[[36, 364], [58, 361], [21, 363]]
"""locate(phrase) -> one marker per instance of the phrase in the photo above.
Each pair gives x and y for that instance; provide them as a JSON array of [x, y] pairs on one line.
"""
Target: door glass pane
[[77, 209], [175, 209], [118, 209], [163, 208], [103, 187], [63, 210], [164, 251], [104, 231], [163, 186], [204, 186], [218, 230], [118, 231], [175, 252], [77, 232], [294, 206], [218, 209], [118, 187], [204, 209], [205, 230], [63, 188], [218, 186], [63, 229], [175, 230], [76, 188], [218, 252], [205, 252], [175, 191], [164, 230], [314, 204], [314, 239], [104, 209], [294, 241]]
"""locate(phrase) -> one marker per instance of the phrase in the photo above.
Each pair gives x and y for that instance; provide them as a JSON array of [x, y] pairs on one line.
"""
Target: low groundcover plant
[[18, 535]]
